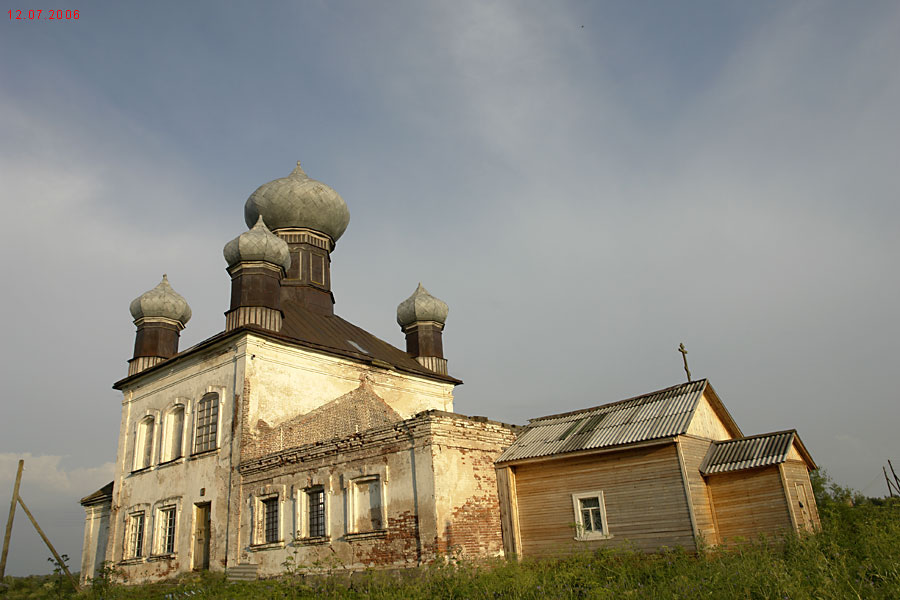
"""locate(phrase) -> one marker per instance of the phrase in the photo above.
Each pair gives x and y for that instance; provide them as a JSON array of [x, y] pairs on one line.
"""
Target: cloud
[[47, 474]]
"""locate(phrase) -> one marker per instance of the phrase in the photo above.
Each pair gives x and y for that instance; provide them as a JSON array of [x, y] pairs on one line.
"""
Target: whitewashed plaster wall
[[287, 381], [186, 481]]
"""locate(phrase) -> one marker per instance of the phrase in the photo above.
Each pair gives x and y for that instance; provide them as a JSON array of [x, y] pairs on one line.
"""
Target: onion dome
[[422, 306], [301, 202], [258, 244], [161, 302]]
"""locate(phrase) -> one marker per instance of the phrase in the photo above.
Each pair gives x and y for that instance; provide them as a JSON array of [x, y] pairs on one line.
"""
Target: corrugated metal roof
[[660, 414], [748, 452]]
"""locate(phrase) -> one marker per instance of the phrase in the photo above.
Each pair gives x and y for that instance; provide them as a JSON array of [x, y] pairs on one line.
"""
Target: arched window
[[207, 423], [174, 433], [143, 447]]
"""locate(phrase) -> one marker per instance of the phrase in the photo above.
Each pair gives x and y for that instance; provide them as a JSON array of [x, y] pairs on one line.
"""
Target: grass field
[[856, 555]]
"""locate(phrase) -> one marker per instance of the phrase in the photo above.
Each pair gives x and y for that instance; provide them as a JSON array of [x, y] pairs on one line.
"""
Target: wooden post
[[9, 522], [888, 481], [896, 480], [49, 545]]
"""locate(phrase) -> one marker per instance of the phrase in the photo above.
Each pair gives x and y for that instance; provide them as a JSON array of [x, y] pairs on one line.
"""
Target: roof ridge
[[704, 381], [750, 437]]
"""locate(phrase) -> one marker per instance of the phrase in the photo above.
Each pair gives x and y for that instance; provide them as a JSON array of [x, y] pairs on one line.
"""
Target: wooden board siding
[[509, 513], [749, 503], [796, 474], [706, 423], [692, 451], [644, 494]]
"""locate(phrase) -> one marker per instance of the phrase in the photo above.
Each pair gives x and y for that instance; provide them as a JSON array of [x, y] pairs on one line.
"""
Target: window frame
[[167, 452], [135, 535], [271, 520], [211, 441], [161, 538], [259, 516], [582, 534], [307, 513], [353, 498], [145, 430]]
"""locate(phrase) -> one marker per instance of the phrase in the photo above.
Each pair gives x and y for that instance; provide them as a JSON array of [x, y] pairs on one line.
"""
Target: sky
[[586, 184]]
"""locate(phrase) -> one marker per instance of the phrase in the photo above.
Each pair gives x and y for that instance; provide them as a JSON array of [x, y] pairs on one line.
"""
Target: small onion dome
[[258, 244], [422, 306], [162, 301], [298, 201]]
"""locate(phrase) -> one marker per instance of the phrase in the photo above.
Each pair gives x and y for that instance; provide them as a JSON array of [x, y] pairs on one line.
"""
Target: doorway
[[201, 536]]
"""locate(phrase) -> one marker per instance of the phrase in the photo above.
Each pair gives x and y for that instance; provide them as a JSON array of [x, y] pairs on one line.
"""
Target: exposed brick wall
[[400, 547], [470, 523], [355, 412]]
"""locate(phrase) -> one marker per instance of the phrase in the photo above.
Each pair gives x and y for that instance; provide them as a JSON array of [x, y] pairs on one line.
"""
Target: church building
[[296, 435], [292, 432]]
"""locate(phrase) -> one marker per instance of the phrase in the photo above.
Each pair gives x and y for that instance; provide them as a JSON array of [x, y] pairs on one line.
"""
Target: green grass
[[856, 555]]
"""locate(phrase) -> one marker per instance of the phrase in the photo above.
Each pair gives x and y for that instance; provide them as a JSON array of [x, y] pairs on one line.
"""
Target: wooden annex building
[[669, 468]]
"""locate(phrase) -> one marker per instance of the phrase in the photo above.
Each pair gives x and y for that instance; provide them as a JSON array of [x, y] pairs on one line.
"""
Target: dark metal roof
[[748, 452], [102, 495], [661, 414], [330, 334], [336, 334]]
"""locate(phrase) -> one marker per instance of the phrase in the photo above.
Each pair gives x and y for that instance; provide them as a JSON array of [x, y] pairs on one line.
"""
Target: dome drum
[[422, 318], [159, 315], [298, 202]]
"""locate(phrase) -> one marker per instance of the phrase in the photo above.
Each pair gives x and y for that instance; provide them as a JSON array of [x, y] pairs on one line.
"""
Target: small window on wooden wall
[[590, 516]]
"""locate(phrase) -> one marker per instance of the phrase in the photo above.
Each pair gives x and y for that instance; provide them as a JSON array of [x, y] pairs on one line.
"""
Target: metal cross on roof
[[684, 353]]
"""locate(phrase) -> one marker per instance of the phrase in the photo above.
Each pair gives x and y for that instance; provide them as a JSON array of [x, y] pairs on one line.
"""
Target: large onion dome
[[422, 306], [258, 244], [161, 302], [298, 201]]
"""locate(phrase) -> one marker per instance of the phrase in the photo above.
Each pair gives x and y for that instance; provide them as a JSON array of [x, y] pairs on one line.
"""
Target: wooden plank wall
[[706, 423], [645, 500], [795, 472], [693, 450], [509, 514], [749, 503]]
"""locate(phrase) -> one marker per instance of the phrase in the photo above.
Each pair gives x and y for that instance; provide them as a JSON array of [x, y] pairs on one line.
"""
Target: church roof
[[661, 414], [753, 451], [326, 333], [102, 495], [356, 411]]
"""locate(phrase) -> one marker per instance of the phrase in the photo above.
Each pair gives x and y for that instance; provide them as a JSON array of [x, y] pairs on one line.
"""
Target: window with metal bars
[[316, 502], [135, 535], [270, 520], [167, 520], [207, 422]]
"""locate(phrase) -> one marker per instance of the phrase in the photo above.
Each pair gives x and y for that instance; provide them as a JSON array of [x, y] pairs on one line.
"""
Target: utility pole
[[9, 521], [9, 525]]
